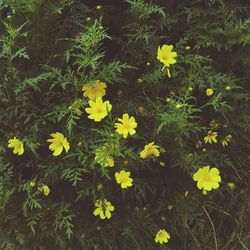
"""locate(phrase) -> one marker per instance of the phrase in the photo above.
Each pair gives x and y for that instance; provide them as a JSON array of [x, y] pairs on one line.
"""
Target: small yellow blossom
[[228, 87], [162, 236], [166, 56], [126, 126], [44, 189], [103, 155], [98, 109], [58, 142], [92, 91], [17, 145], [150, 149], [103, 209], [226, 140], [209, 92], [124, 179], [207, 179], [211, 137]]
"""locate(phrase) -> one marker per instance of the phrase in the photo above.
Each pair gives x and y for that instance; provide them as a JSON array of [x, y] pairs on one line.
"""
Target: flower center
[[207, 178], [59, 143], [151, 151], [126, 125], [94, 90], [99, 110], [123, 179], [165, 57], [161, 235]]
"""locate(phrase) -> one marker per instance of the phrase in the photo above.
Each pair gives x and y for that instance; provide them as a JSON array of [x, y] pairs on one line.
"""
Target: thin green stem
[[213, 228]]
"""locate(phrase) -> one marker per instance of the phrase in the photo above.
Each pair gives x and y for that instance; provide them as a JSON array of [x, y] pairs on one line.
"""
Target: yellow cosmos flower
[[166, 56], [207, 179], [92, 91], [98, 109], [150, 149], [211, 137], [209, 92], [162, 236], [103, 209], [103, 155], [58, 142], [126, 126], [124, 179], [17, 145], [44, 189], [226, 140]]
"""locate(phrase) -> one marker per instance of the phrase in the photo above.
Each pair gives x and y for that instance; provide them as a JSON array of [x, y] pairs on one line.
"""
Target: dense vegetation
[[107, 130]]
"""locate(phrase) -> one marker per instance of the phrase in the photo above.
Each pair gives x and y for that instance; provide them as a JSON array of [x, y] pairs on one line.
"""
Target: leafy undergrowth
[[124, 124]]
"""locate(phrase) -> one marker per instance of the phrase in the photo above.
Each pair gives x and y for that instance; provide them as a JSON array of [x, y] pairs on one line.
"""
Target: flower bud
[[231, 185]]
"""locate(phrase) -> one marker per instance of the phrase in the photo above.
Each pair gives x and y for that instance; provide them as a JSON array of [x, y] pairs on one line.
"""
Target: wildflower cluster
[[122, 121]]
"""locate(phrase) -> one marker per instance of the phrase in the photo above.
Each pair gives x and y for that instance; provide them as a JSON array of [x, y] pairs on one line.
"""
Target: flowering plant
[[124, 125]]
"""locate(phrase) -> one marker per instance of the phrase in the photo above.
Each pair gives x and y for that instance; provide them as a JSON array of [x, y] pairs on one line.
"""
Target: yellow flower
[[209, 92], [44, 189], [162, 236], [58, 142], [226, 140], [150, 149], [124, 179], [17, 145], [228, 87], [166, 56], [103, 209], [211, 137], [98, 109], [92, 91], [207, 179], [126, 126], [103, 155]]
